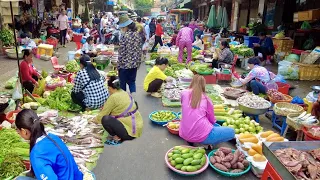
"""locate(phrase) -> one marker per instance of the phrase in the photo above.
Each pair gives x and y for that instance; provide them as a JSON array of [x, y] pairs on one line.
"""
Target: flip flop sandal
[[112, 142]]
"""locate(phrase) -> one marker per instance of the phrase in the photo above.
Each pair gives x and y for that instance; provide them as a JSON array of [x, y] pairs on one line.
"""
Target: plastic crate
[[283, 45], [249, 40], [224, 77]]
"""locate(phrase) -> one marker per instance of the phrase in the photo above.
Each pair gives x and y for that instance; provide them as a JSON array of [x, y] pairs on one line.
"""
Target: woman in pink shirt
[[63, 26], [185, 40], [197, 123]]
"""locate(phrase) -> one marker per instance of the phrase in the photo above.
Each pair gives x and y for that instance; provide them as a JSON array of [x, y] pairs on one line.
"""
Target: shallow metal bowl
[[253, 111]]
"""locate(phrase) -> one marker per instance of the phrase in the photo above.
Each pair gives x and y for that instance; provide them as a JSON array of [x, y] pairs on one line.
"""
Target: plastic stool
[[101, 67], [276, 118], [270, 173]]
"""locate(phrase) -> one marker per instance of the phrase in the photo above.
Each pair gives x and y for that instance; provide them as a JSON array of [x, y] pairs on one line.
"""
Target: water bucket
[[71, 55]]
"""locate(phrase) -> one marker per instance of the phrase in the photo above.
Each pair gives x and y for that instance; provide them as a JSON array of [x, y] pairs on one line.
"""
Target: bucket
[[71, 55], [283, 87]]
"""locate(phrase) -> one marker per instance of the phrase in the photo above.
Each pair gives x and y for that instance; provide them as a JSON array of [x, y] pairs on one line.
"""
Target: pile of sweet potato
[[227, 161]]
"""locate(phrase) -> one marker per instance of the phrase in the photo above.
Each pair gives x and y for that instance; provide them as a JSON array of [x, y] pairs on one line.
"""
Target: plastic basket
[[228, 174], [308, 136], [10, 114], [288, 99], [249, 40], [283, 87], [204, 167], [173, 131], [162, 122]]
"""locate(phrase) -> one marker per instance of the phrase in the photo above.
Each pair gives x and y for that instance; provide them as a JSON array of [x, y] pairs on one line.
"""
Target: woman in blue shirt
[[50, 158]]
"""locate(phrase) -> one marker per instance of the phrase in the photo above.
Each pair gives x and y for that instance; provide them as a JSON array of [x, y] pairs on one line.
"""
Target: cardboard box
[[310, 15]]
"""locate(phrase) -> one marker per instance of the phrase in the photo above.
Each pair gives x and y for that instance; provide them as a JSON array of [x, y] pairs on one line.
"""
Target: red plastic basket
[[308, 136], [210, 79], [224, 77], [52, 41], [173, 131], [283, 87], [10, 114], [27, 164]]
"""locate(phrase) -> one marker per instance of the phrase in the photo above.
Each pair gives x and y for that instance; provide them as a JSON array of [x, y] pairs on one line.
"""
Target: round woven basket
[[284, 108], [291, 122], [287, 99]]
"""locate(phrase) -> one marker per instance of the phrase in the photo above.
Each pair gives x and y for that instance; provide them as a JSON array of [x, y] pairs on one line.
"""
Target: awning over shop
[[183, 3], [181, 11]]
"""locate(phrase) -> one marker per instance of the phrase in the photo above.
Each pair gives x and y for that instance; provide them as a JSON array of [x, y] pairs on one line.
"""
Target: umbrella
[[219, 17], [224, 19], [212, 21]]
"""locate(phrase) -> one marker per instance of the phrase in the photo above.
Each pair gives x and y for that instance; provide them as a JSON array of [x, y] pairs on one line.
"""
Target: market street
[[143, 158]]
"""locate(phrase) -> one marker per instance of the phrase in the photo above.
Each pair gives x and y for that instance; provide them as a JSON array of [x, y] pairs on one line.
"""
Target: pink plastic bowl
[[182, 172]]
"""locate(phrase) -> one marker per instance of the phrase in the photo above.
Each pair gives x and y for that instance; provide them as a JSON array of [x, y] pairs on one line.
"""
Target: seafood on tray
[[302, 164], [172, 94]]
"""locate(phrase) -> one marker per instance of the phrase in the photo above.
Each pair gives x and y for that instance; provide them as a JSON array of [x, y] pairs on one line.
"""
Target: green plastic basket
[[228, 174]]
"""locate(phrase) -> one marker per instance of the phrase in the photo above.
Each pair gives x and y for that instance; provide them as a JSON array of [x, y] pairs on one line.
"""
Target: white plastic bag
[[288, 70], [145, 46], [17, 91]]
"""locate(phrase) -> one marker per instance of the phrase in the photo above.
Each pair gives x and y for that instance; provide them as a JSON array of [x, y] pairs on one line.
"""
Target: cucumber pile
[[187, 159]]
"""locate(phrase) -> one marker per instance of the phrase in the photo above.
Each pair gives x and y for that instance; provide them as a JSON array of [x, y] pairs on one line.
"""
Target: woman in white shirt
[[198, 43], [88, 48]]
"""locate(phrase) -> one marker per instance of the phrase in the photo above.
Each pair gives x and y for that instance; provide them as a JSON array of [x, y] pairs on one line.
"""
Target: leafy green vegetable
[[72, 66], [44, 73], [154, 55], [178, 66], [39, 90], [11, 83], [170, 72], [60, 99]]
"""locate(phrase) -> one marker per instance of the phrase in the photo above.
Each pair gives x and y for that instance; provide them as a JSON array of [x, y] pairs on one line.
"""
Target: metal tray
[[269, 147]]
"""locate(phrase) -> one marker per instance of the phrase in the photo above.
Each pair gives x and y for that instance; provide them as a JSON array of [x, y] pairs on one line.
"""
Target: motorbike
[[115, 37]]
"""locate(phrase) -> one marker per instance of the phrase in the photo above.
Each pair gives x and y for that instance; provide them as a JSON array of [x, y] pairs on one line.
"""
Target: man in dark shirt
[[265, 46]]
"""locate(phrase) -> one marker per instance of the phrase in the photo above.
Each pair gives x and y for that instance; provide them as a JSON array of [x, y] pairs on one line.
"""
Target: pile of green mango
[[163, 116], [187, 159]]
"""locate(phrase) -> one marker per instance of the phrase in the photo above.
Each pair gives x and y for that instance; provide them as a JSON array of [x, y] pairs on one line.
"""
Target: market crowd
[[119, 113]]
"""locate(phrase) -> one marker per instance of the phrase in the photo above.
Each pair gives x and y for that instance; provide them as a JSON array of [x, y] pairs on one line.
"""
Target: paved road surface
[[143, 158]]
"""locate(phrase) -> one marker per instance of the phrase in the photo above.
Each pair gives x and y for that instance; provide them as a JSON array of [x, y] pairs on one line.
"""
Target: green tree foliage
[[143, 6]]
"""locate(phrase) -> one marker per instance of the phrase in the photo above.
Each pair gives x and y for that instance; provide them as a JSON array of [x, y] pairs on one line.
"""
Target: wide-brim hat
[[124, 21]]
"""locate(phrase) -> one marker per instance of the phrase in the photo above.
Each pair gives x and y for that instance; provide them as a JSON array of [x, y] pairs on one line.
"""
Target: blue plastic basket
[[162, 122], [216, 125], [178, 115], [249, 40], [228, 174]]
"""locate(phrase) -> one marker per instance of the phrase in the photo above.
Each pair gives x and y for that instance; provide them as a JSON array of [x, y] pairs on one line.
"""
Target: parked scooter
[[115, 37]]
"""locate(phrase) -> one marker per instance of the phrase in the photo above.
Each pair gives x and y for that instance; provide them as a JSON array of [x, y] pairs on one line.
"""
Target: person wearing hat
[[130, 52]]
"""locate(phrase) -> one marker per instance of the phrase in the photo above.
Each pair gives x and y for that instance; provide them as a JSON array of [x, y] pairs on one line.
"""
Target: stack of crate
[[6, 12]]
